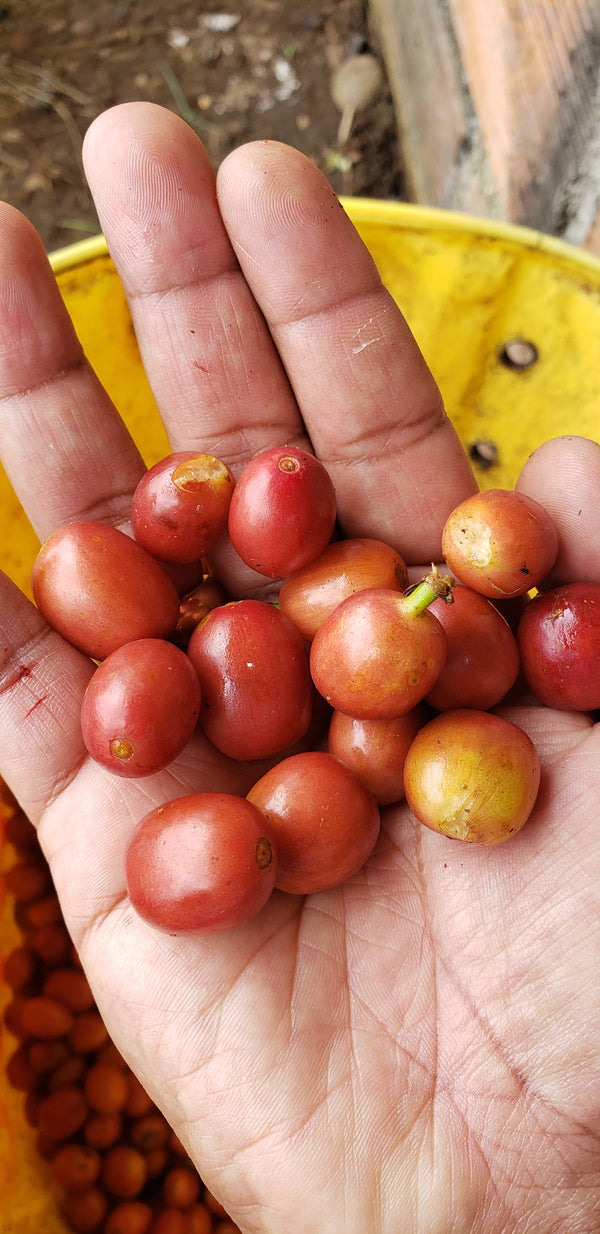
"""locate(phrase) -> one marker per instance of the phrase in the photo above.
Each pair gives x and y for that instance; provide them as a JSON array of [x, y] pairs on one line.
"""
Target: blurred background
[[249, 69], [490, 107]]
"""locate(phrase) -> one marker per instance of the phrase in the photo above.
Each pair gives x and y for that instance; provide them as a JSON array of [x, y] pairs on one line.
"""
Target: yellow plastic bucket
[[468, 289], [509, 322]]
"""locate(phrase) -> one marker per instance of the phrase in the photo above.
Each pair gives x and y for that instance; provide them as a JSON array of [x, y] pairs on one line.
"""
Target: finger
[[70, 800], [207, 352], [554, 733], [42, 680], [62, 442], [371, 407], [564, 476]]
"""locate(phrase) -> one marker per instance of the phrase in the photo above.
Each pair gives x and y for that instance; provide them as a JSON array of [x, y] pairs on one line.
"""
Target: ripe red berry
[[323, 820], [282, 511], [379, 652], [180, 506], [500, 542], [200, 863], [140, 707], [559, 642]]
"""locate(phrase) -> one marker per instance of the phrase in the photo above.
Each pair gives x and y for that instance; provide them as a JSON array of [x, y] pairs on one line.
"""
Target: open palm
[[418, 1050]]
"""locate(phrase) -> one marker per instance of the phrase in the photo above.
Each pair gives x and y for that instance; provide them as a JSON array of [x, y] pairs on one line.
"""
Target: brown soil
[[236, 71]]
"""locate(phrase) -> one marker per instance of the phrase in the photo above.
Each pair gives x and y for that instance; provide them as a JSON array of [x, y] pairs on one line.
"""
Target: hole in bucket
[[483, 453], [519, 354]]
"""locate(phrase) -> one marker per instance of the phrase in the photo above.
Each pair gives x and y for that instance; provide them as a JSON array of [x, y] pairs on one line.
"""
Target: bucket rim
[[402, 215]]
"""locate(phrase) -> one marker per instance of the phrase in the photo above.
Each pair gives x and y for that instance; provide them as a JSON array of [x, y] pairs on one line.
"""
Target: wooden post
[[498, 107]]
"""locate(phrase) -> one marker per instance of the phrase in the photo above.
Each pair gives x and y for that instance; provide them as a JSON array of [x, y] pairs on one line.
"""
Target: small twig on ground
[[36, 83], [62, 110], [193, 118]]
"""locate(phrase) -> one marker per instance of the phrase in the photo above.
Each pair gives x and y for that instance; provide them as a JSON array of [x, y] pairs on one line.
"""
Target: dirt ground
[[235, 71]]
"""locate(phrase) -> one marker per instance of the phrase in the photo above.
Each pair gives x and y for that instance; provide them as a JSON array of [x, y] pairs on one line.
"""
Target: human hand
[[418, 1049]]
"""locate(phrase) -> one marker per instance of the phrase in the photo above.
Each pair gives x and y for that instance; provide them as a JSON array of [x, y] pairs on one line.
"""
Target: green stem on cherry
[[432, 587]]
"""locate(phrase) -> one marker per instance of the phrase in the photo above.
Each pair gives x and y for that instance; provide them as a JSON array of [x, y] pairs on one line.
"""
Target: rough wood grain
[[498, 105], [444, 160]]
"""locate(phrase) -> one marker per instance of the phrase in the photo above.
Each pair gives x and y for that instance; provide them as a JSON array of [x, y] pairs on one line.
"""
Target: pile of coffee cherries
[[357, 689], [112, 1160]]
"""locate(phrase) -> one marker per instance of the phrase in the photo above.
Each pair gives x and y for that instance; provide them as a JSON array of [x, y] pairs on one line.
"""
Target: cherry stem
[[433, 587]]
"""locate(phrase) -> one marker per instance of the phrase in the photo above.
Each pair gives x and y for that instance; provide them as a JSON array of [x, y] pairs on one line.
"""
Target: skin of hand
[[417, 1050]]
